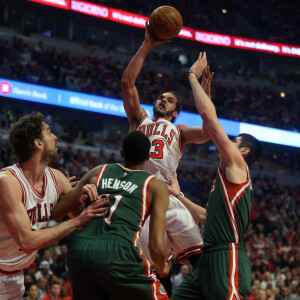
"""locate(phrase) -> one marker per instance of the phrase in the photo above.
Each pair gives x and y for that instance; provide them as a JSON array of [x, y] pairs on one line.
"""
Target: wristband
[[179, 194], [192, 71]]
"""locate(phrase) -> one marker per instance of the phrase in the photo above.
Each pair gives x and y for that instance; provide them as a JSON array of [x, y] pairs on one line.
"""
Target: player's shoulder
[[9, 182], [157, 183], [61, 180], [59, 176], [7, 177], [183, 127]]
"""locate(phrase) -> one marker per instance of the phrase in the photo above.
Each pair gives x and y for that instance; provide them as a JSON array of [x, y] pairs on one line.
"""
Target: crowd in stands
[[272, 241], [273, 20], [101, 75]]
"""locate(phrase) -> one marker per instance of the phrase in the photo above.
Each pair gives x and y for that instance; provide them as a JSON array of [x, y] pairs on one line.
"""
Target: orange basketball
[[165, 23]]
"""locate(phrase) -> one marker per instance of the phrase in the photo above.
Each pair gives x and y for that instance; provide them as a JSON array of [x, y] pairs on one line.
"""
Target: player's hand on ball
[[151, 39]]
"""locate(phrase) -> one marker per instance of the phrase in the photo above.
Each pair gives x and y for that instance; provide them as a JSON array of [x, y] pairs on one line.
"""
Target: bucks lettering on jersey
[[228, 211], [129, 203]]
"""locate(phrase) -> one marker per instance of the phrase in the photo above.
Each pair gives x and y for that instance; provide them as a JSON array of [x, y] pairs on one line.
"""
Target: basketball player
[[167, 144], [223, 270], [29, 190], [104, 260]]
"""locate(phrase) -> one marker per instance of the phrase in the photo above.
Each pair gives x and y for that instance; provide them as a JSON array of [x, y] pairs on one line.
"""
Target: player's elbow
[[28, 242], [27, 247], [201, 217], [126, 81], [207, 115]]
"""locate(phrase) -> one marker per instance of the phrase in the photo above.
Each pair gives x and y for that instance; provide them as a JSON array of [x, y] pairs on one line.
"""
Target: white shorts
[[182, 233], [12, 286]]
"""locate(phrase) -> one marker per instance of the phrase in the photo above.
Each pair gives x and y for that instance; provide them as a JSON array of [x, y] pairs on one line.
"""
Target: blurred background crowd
[[53, 48]]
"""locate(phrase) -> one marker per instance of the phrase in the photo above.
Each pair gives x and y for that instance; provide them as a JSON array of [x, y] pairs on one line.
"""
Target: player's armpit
[[195, 135]]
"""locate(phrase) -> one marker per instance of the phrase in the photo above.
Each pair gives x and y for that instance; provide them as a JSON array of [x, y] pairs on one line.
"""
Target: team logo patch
[[162, 290]]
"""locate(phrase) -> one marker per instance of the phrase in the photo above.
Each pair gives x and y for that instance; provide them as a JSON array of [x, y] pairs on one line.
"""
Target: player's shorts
[[222, 272], [11, 285], [111, 269], [182, 233]]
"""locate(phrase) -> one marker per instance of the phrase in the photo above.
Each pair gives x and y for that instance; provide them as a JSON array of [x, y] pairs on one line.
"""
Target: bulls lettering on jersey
[[166, 149], [38, 207]]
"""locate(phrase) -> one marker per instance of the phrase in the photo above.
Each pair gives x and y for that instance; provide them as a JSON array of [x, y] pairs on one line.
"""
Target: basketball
[[165, 23]]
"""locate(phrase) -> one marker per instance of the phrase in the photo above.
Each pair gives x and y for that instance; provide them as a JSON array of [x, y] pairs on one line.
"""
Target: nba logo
[[5, 88]]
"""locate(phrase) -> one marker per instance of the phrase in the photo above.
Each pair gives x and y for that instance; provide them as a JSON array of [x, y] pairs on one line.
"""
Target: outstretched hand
[[199, 65], [174, 188], [151, 39], [207, 77], [71, 179]]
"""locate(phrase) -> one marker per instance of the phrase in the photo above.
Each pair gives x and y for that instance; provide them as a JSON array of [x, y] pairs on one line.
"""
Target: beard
[[49, 154], [162, 114]]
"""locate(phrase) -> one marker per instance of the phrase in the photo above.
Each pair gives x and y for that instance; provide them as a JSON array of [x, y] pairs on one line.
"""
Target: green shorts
[[222, 272], [111, 269]]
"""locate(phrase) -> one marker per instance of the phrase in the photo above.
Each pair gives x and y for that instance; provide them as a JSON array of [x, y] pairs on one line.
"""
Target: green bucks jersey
[[128, 191], [228, 211]]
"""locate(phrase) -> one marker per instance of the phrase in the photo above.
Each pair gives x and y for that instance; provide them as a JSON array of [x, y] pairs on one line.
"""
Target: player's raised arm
[[207, 77], [229, 152], [198, 134], [159, 206], [130, 94]]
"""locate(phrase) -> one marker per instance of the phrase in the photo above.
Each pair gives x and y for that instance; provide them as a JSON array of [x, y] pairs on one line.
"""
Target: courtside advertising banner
[[41, 94]]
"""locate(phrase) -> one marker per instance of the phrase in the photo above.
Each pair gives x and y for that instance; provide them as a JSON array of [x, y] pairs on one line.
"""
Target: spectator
[[253, 292], [31, 292], [284, 294], [28, 278], [42, 287], [61, 261], [184, 270], [44, 270], [54, 291], [261, 295], [295, 295]]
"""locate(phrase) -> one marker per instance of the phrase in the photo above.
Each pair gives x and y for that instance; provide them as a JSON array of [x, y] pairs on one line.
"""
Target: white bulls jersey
[[166, 149], [38, 207]]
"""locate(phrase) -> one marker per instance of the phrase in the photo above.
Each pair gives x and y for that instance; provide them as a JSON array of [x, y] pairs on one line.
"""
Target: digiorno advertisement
[[136, 20]]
